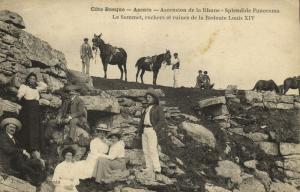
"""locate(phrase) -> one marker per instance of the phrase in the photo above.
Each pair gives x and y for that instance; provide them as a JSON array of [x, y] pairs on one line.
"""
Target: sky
[[233, 52]]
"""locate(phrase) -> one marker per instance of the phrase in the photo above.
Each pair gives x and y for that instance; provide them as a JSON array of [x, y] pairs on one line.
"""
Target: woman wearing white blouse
[[64, 177], [32, 135], [98, 147], [112, 166]]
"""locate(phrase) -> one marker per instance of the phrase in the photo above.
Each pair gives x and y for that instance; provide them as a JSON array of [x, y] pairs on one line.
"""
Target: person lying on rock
[[64, 178], [112, 167], [15, 160], [152, 120], [72, 115], [98, 146]]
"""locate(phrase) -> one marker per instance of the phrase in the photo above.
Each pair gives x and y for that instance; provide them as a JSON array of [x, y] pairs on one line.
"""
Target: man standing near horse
[[175, 67], [86, 55]]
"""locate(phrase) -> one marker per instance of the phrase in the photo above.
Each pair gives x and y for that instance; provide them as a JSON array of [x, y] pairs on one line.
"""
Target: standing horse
[[152, 64], [264, 85], [291, 83], [110, 55]]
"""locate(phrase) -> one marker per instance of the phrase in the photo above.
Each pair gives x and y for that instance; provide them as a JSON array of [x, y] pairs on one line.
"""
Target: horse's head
[[167, 57], [97, 41]]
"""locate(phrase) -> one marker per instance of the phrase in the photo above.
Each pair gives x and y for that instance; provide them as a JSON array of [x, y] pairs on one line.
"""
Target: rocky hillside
[[216, 141]]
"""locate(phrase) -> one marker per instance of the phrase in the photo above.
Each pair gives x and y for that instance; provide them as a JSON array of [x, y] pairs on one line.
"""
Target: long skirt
[[31, 136], [107, 170]]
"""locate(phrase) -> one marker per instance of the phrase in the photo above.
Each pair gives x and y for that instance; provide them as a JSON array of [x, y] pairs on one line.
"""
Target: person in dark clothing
[[152, 121], [199, 80], [32, 135], [73, 114], [206, 80], [15, 160]]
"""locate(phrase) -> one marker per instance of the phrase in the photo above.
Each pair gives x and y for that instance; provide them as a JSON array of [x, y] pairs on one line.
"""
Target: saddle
[[114, 51], [150, 59]]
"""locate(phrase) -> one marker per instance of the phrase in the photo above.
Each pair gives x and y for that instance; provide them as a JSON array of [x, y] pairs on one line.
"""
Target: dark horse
[[291, 83], [110, 55], [152, 64], [264, 85]]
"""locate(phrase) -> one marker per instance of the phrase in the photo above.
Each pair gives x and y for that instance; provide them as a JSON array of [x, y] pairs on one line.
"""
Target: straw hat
[[11, 120]]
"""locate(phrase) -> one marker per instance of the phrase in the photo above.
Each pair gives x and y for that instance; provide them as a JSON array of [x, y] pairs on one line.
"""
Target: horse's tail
[[254, 88], [138, 62]]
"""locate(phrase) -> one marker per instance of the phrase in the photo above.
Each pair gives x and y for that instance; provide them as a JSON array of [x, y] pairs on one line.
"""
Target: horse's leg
[[105, 69], [125, 70], [121, 70], [299, 90], [285, 90], [137, 74], [155, 74], [142, 74]]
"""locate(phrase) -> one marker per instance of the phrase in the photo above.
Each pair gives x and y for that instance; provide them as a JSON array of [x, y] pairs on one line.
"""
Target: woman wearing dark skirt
[[32, 135]]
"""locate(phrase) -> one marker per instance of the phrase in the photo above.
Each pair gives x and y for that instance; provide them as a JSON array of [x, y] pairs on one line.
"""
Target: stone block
[[12, 18], [199, 133], [269, 148], [212, 101], [97, 103]]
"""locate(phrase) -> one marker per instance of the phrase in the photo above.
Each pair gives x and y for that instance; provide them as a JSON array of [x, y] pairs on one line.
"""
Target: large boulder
[[12, 18], [8, 106], [98, 103], [80, 79], [250, 185], [12, 184], [199, 133], [132, 93], [212, 101], [269, 148], [253, 97], [41, 53], [282, 187], [292, 163], [229, 169], [289, 149]]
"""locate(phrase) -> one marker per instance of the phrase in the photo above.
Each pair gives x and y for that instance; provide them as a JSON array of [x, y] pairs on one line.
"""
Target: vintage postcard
[[166, 96]]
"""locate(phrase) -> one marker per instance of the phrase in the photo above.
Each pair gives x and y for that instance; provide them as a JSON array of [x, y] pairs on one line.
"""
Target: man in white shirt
[[85, 55], [175, 67]]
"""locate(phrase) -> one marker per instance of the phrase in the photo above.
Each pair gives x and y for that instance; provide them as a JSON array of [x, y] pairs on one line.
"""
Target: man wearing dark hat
[[152, 121], [13, 159], [86, 55], [72, 113]]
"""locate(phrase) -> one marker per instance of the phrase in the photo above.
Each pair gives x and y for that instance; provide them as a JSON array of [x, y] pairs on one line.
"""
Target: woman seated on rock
[[112, 167], [64, 177], [98, 147]]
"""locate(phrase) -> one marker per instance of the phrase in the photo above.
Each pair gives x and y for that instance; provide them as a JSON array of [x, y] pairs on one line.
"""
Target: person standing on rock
[[85, 55], [175, 67], [152, 120], [32, 135]]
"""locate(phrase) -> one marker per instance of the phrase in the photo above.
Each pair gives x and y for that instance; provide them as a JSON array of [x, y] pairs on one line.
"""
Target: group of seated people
[[203, 80], [105, 161], [21, 155]]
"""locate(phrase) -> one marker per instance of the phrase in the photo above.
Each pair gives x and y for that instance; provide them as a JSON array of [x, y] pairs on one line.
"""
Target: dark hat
[[152, 92], [11, 120], [68, 149], [85, 39], [200, 71], [205, 72], [175, 53]]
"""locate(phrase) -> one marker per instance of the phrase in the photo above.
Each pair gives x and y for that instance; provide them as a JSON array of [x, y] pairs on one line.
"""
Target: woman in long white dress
[[98, 147], [64, 178]]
